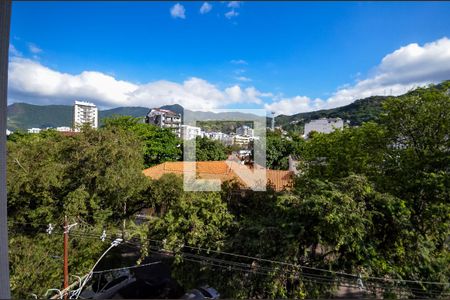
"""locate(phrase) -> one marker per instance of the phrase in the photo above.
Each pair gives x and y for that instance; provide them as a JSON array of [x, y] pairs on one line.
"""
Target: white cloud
[[34, 49], [205, 8], [406, 68], [243, 78], [239, 62], [400, 71], [30, 81], [249, 95], [231, 14], [289, 106], [13, 51], [234, 4], [178, 11]]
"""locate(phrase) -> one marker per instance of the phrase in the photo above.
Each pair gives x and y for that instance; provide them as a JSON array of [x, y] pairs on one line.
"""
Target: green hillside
[[363, 110], [360, 111], [24, 115], [137, 112]]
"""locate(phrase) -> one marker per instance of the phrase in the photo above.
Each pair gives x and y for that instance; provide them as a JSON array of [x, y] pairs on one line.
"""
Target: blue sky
[[284, 56]]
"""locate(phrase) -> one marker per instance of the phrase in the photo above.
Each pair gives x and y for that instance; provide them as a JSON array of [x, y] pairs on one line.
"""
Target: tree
[[197, 219], [417, 168], [278, 149], [105, 168], [94, 177], [338, 154], [158, 144], [405, 159], [164, 192], [210, 150]]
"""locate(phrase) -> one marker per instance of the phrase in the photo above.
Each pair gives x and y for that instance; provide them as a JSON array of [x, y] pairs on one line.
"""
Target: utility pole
[[66, 254], [273, 121], [5, 18]]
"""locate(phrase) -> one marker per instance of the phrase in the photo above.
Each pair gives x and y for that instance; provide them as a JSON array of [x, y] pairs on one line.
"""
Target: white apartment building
[[63, 129], [323, 125], [34, 130], [165, 118], [219, 136], [190, 132], [241, 140], [84, 113], [245, 131]]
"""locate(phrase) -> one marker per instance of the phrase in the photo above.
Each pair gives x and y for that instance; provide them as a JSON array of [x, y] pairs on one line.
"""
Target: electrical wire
[[385, 281], [316, 278], [127, 268], [270, 261], [310, 268]]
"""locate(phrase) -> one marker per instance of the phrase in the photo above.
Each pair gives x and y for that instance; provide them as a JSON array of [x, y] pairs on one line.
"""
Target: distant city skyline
[[287, 57]]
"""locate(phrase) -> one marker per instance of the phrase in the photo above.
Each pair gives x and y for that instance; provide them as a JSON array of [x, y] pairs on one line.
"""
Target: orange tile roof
[[278, 179]]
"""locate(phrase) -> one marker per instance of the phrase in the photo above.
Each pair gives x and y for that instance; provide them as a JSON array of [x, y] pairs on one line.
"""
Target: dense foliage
[[93, 177], [279, 147], [159, 144], [207, 149], [372, 201]]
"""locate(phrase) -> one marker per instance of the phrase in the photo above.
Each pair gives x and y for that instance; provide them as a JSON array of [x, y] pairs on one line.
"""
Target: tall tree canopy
[[158, 144]]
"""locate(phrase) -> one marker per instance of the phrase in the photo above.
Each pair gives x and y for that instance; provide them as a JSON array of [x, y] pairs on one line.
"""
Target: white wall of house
[[63, 128], [245, 131], [34, 130], [190, 132], [323, 125]]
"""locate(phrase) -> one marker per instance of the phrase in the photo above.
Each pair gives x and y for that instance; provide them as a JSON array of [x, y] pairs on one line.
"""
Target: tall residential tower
[[84, 113]]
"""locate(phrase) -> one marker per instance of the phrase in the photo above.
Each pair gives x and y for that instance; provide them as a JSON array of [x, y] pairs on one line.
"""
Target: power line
[[310, 268], [127, 268], [306, 267], [316, 278], [385, 281], [260, 270], [310, 277]]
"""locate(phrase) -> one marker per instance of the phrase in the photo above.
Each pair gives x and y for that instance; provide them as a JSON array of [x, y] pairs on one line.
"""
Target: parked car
[[201, 293], [110, 288]]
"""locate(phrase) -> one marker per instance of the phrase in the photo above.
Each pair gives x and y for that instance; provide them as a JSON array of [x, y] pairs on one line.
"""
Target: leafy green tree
[[36, 178], [279, 147], [210, 150], [158, 144], [417, 167], [338, 154], [406, 157], [36, 259], [94, 177], [418, 127], [17, 135], [197, 219], [107, 168], [163, 193]]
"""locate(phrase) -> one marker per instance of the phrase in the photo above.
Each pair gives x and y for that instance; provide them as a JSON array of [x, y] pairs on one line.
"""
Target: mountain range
[[24, 115]]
